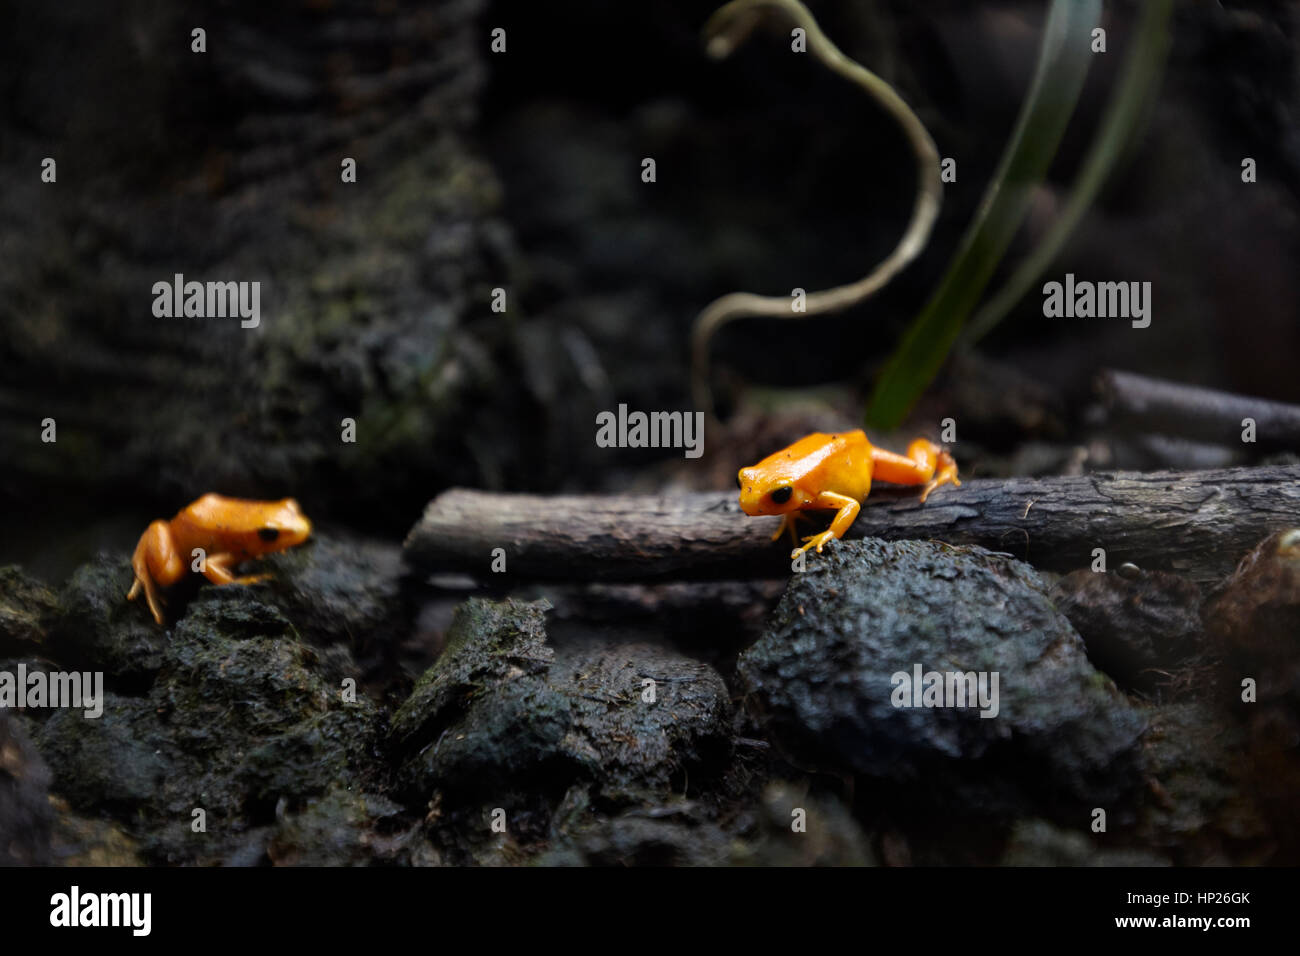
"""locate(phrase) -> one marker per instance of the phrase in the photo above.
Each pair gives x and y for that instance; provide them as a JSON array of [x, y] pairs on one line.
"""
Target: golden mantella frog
[[228, 530], [823, 472]]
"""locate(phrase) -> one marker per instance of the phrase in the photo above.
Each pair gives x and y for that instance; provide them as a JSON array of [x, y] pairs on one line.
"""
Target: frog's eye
[[782, 495], [268, 534]]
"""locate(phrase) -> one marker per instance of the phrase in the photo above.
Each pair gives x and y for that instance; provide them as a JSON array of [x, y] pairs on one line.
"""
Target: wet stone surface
[[502, 706], [1254, 618], [623, 738], [25, 814], [1138, 626], [864, 611]]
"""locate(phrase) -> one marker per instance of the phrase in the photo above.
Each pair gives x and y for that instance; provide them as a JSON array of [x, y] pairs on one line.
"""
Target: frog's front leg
[[847, 511], [789, 522], [217, 570], [156, 564]]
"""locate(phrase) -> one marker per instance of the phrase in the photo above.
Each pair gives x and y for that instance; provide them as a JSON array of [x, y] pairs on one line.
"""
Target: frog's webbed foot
[[789, 522], [248, 579], [945, 474], [817, 541], [151, 595], [217, 570]]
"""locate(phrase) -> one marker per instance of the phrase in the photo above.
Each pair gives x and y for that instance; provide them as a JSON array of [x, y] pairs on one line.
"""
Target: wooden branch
[[1199, 523], [1190, 411]]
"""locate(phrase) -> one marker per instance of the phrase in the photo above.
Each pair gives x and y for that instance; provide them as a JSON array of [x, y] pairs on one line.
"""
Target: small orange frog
[[228, 530], [834, 472]]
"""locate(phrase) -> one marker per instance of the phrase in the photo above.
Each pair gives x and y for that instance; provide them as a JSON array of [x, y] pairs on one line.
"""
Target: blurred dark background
[[522, 171]]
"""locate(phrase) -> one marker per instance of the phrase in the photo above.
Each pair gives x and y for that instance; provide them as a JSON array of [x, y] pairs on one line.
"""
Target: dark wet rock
[[25, 813], [823, 834], [85, 840], [16, 673], [671, 831], [713, 618], [344, 828], [237, 612], [118, 762], [340, 589], [26, 607], [1254, 618], [97, 628], [1138, 626], [1271, 777], [635, 838], [507, 826], [503, 709], [866, 610], [1040, 843], [339, 592], [788, 827], [267, 674], [488, 644], [1199, 807], [227, 709], [238, 726], [641, 745]]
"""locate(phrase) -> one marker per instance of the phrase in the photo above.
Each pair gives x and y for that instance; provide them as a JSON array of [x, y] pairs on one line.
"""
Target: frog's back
[[220, 524], [219, 513], [845, 468], [814, 454]]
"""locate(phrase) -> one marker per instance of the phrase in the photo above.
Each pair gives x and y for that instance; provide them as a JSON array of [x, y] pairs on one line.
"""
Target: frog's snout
[[749, 499], [294, 526]]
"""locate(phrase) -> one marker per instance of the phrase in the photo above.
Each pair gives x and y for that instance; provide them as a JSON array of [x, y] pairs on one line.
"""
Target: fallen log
[[1198, 523]]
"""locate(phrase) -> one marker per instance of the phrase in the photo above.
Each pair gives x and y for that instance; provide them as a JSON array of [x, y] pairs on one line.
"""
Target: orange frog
[[228, 530], [823, 472]]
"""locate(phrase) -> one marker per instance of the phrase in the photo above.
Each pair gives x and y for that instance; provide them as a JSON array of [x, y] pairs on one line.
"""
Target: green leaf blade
[[1064, 58]]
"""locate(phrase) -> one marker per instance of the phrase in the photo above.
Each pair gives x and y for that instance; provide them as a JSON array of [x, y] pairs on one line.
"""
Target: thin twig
[[729, 26]]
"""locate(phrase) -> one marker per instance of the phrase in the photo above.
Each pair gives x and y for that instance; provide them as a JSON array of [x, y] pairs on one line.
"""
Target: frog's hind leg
[[217, 570], [155, 562], [924, 464]]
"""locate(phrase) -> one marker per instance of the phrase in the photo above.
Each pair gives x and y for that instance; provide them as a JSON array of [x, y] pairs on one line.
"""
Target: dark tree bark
[[1198, 523], [226, 165]]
